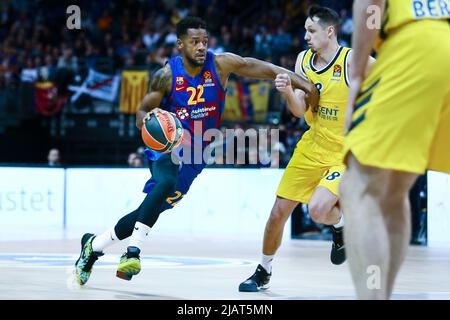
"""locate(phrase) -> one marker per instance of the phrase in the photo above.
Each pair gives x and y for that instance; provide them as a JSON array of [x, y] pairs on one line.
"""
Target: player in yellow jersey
[[400, 127], [315, 169]]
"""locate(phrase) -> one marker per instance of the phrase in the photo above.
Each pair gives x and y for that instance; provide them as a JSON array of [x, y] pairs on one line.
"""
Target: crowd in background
[[117, 35], [135, 33]]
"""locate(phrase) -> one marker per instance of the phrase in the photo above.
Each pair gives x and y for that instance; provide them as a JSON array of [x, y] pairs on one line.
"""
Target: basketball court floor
[[205, 269]]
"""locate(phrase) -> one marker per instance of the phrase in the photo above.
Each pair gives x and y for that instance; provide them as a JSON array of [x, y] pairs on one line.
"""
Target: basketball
[[162, 132]]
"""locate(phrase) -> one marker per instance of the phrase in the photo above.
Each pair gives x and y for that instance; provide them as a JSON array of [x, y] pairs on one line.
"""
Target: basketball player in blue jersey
[[191, 85]]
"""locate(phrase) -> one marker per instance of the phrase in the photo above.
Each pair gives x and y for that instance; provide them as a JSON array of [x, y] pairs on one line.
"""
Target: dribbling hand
[[154, 111]]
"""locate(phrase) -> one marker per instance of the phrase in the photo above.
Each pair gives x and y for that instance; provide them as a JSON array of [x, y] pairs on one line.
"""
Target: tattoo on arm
[[218, 68], [160, 80]]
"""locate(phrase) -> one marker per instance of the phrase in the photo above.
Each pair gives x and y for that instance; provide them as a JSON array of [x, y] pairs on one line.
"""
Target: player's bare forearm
[[160, 84], [296, 102], [258, 69], [363, 37]]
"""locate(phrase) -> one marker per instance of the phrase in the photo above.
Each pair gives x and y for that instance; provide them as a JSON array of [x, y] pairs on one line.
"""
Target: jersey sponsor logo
[[435, 9], [180, 84], [337, 71], [327, 113], [182, 113], [204, 112]]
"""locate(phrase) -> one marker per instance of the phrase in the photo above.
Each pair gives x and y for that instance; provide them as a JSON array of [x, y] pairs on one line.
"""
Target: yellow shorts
[[310, 166], [402, 115]]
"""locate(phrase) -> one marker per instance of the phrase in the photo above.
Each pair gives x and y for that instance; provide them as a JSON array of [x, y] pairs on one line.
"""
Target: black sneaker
[[83, 266], [338, 249], [258, 281]]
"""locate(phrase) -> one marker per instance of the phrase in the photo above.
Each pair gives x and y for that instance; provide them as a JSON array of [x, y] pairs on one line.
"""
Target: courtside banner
[[31, 202], [221, 202], [98, 197], [438, 187]]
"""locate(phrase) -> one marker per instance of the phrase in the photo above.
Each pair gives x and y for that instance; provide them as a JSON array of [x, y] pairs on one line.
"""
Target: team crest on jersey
[[207, 79], [180, 81], [182, 113], [180, 84], [337, 70]]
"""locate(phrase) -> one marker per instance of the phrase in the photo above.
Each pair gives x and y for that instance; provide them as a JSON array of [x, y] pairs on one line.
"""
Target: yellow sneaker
[[130, 264]]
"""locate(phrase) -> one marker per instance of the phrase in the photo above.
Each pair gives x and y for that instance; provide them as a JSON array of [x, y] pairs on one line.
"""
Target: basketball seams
[[150, 141], [164, 126], [157, 129], [160, 140]]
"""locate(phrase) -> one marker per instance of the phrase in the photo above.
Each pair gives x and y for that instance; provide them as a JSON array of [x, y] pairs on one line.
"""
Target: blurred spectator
[[150, 38], [171, 36], [105, 21], [68, 60], [214, 45], [48, 70], [53, 158], [29, 72], [346, 28], [135, 160], [263, 43]]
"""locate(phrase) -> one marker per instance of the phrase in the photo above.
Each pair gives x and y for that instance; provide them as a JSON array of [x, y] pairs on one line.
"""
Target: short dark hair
[[327, 17], [189, 23]]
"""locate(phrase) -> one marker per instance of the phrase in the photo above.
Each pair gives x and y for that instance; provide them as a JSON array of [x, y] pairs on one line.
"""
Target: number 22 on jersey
[[195, 95]]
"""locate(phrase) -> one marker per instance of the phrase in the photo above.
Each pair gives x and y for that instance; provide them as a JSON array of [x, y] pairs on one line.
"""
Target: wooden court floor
[[205, 269]]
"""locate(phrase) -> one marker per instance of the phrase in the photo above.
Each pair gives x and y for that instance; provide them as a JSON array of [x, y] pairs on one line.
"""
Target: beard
[[193, 62]]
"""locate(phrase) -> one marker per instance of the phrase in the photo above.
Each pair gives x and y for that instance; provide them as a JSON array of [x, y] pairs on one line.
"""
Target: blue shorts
[[186, 175]]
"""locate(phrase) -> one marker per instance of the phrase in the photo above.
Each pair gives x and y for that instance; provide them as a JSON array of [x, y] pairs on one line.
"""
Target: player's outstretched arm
[[258, 69], [362, 40], [160, 85]]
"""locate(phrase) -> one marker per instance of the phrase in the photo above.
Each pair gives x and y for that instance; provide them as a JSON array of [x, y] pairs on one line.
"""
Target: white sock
[[340, 223], [139, 235], [104, 240], [266, 262]]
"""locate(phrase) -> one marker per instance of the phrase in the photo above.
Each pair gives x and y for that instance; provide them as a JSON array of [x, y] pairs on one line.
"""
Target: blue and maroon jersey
[[198, 99]]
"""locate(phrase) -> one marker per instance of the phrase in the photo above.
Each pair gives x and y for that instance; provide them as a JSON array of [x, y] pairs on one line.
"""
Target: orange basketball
[[162, 132]]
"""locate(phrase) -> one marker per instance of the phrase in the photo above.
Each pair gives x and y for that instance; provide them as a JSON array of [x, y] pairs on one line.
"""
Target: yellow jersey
[[400, 12], [327, 119]]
